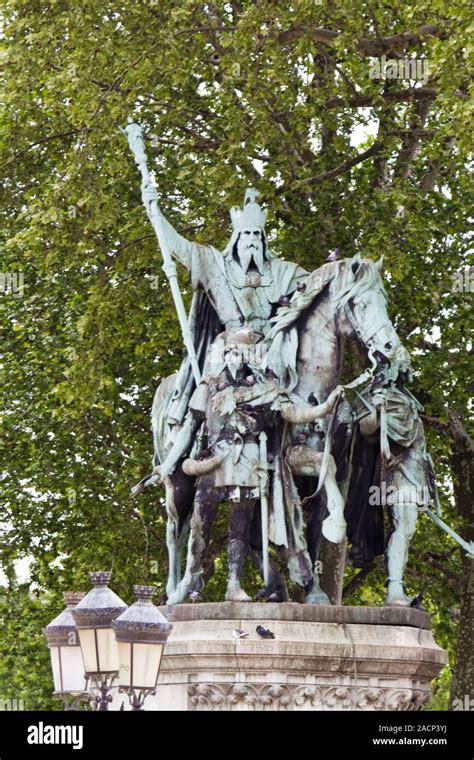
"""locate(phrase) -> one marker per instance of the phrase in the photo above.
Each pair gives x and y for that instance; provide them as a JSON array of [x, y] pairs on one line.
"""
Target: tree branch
[[135, 513], [364, 45], [435, 423], [56, 136], [429, 558], [460, 435], [363, 101], [358, 579], [431, 177], [410, 147], [344, 167]]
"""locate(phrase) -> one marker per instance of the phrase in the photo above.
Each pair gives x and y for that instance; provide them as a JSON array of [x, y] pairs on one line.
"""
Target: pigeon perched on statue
[[276, 596], [416, 602]]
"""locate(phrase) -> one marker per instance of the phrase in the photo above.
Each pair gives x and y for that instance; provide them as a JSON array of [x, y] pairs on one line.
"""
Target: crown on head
[[251, 215]]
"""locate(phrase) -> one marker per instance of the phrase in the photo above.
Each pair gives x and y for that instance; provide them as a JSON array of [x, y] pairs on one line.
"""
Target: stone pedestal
[[322, 658]]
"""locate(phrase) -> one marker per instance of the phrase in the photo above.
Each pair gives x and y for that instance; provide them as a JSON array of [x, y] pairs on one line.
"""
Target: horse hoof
[[178, 596], [174, 599], [334, 530], [237, 595], [317, 597]]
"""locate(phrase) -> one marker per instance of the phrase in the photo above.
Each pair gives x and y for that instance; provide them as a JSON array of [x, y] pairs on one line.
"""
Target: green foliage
[[262, 102]]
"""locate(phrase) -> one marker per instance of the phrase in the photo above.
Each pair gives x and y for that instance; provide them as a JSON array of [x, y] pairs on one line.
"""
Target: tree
[[283, 96]]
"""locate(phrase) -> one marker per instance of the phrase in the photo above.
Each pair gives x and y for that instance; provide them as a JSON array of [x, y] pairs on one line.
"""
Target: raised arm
[[180, 248]]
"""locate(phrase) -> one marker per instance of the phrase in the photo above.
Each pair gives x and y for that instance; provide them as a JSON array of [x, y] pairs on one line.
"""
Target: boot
[[396, 596], [236, 557]]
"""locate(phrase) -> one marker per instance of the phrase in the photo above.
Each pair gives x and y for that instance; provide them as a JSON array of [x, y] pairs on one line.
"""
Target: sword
[[468, 547], [150, 201]]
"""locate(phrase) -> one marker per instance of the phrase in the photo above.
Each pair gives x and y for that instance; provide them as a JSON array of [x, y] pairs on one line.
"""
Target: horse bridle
[[366, 336]]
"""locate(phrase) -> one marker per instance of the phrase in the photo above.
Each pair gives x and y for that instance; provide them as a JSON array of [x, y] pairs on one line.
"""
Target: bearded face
[[250, 248], [234, 360]]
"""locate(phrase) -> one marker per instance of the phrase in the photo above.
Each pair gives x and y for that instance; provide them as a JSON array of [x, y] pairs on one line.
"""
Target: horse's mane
[[367, 277], [347, 283]]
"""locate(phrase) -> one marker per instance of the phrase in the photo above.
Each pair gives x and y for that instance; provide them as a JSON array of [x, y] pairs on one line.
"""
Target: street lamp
[[67, 664], [93, 617], [141, 633]]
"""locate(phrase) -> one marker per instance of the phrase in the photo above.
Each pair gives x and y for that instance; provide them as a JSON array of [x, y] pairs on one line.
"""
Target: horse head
[[341, 300], [361, 308]]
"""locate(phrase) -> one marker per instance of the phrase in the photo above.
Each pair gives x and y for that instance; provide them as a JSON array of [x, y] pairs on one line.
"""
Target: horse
[[342, 301]]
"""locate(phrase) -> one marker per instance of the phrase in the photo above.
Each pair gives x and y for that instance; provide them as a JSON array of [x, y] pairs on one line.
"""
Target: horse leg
[[334, 526], [180, 491], [239, 532], [315, 593], [183, 533], [202, 520], [276, 585], [305, 461], [171, 543], [172, 533], [404, 518]]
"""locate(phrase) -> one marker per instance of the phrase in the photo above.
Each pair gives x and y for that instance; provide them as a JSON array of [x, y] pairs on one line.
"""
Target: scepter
[[150, 201]]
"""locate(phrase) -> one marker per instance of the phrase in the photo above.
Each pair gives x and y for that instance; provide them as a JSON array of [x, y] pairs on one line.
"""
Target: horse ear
[[379, 263], [356, 262]]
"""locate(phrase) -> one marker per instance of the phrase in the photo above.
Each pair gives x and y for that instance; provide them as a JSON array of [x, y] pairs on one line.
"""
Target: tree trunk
[[462, 690]]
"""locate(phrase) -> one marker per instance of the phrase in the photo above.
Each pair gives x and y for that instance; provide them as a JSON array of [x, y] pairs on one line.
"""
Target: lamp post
[[141, 633], [93, 617], [70, 683]]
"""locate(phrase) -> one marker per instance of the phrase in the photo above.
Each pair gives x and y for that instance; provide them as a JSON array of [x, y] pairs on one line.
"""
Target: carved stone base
[[322, 658]]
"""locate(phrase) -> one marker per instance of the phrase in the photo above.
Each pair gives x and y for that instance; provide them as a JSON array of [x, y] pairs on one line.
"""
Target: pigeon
[[275, 597], [334, 255], [264, 633], [237, 633], [283, 301], [195, 596], [301, 286], [416, 602]]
